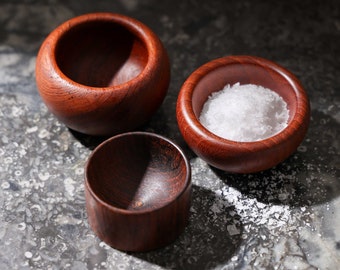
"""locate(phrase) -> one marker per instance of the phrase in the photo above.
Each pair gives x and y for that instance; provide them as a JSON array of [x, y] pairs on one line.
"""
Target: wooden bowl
[[102, 73], [233, 156], [138, 191]]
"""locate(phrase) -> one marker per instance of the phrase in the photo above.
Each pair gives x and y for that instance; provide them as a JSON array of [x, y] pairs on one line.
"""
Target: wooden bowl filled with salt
[[243, 114]]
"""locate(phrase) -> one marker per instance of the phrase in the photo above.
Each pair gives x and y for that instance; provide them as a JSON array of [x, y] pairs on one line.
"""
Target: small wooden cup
[[102, 73], [138, 191], [241, 157]]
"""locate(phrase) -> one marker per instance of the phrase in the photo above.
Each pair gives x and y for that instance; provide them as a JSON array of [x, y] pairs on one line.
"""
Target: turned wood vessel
[[138, 191], [233, 156], [102, 73]]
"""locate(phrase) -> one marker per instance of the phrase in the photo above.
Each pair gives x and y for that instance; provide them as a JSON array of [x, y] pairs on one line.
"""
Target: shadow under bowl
[[138, 191], [234, 156], [96, 68]]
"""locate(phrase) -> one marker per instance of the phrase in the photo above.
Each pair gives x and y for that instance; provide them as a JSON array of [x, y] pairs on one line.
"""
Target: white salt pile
[[244, 113]]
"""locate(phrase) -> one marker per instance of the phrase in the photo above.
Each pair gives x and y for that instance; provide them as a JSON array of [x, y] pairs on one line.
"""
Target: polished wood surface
[[242, 157], [138, 189], [102, 73]]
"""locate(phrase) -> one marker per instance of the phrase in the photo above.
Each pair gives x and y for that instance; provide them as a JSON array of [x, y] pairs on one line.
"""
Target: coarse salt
[[245, 113]]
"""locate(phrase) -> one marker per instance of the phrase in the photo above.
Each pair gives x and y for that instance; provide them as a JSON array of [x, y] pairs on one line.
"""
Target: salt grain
[[245, 113]]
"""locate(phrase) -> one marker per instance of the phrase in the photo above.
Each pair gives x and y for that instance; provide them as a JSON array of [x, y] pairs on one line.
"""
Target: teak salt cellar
[[233, 156], [138, 191], [102, 73]]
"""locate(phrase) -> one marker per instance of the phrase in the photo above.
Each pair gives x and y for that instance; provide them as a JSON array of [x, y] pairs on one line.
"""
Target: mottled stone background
[[279, 219]]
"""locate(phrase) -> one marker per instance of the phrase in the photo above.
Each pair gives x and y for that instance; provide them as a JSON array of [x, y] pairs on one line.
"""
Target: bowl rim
[[137, 28], [185, 109], [122, 211]]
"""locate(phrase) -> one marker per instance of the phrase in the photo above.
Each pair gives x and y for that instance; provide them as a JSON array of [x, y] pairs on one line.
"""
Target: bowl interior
[[244, 73], [100, 53], [137, 172]]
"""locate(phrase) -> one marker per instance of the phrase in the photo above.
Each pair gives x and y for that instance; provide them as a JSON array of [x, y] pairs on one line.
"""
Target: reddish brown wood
[[138, 190], [102, 73], [241, 157]]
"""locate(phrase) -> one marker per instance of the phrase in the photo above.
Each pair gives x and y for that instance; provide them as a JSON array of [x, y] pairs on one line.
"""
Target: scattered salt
[[28, 255], [245, 113], [233, 230]]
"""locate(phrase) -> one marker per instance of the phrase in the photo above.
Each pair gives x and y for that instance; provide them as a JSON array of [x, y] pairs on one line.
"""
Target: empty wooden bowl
[[102, 73], [138, 191], [234, 156]]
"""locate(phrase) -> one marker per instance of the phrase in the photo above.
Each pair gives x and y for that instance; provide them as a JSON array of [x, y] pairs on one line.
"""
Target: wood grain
[[242, 157], [138, 190], [102, 73]]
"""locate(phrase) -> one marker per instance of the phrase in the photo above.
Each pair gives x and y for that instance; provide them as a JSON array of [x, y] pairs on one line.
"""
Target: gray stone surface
[[284, 218]]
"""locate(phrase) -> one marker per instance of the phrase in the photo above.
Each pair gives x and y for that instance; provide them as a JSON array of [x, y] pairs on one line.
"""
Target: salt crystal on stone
[[245, 113], [232, 230]]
